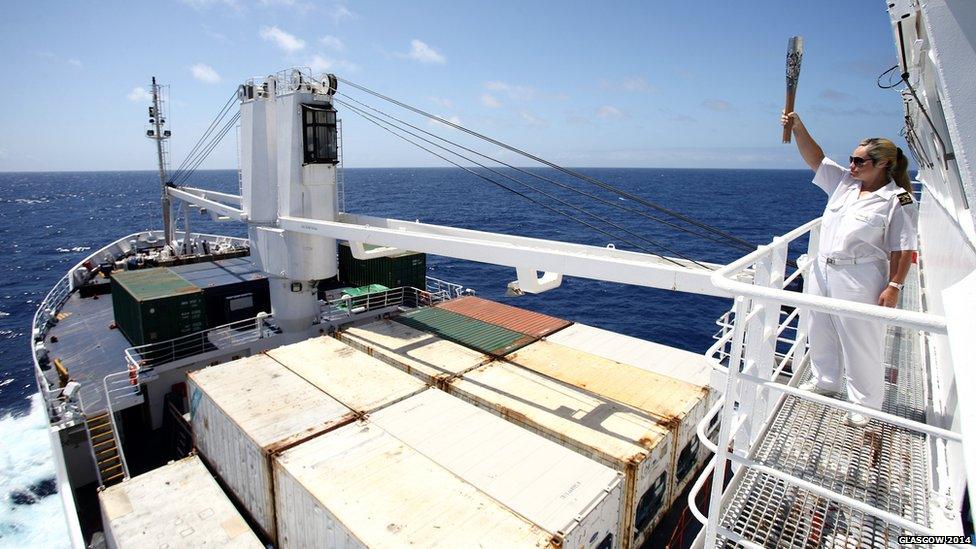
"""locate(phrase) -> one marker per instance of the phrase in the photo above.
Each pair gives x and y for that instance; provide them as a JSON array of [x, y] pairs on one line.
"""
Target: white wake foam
[[28, 518]]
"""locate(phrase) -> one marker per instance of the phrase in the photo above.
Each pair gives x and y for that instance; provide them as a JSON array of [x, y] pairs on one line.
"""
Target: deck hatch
[[480, 336]]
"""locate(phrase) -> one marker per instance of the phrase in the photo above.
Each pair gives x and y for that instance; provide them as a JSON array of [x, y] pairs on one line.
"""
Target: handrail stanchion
[[728, 413]]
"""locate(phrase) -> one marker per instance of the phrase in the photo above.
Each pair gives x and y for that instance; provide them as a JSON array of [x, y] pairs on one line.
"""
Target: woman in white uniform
[[867, 241]]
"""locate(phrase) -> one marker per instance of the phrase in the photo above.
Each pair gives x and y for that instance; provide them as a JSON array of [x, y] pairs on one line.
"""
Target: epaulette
[[905, 198]]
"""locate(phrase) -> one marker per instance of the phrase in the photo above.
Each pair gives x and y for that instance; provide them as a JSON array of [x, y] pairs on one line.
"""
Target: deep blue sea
[[50, 221]]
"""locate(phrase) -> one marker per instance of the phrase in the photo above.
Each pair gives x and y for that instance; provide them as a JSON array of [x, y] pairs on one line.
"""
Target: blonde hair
[[883, 150]]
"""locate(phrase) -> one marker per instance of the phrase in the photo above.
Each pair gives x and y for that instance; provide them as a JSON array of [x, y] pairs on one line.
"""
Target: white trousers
[[846, 354]]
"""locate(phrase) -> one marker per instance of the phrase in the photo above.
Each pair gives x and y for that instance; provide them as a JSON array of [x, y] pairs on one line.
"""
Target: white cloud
[[419, 51], [533, 120], [608, 111], [636, 84], [717, 105], [76, 63], [513, 91], [205, 73], [284, 40], [3, 153], [442, 102], [340, 12], [323, 63], [332, 43], [139, 95], [490, 101]]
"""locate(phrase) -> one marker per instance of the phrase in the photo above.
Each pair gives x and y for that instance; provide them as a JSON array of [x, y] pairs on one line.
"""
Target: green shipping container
[[153, 305], [475, 334], [407, 269]]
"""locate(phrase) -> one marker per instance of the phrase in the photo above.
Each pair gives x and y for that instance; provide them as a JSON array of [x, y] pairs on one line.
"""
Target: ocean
[[50, 221]]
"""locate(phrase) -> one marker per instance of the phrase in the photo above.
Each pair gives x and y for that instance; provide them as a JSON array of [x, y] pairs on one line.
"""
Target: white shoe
[[811, 385], [855, 419]]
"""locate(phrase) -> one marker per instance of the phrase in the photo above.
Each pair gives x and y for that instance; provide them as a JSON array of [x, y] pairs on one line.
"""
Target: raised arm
[[812, 154]]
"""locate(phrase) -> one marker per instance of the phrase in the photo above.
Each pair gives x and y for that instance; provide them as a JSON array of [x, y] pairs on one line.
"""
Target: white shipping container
[[359, 486], [178, 505], [686, 366], [574, 498], [352, 377], [243, 412], [654, 357], [677, 405], [601, 429], [433, 360]]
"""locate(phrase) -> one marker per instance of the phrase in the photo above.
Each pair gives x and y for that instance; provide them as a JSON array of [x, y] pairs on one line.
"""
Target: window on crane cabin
[[321, 140]]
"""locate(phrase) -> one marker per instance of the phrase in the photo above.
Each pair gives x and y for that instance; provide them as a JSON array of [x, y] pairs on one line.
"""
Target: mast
[[158, 134]]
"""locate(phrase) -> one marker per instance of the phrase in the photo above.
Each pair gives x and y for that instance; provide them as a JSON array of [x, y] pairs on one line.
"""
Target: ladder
[[109, 464]]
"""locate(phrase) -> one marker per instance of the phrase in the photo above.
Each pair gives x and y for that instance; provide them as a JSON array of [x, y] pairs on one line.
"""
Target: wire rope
[[503, 186], [573, 173], [520, 182], [540, 177]]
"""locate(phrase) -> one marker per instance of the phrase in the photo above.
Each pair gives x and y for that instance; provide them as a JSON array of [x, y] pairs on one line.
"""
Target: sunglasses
[[858, 161]]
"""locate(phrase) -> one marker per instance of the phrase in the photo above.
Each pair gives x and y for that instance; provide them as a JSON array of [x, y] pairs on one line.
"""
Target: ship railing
[[442, 290], [748, 361], [349, 306], [46, 314], [140, 358]]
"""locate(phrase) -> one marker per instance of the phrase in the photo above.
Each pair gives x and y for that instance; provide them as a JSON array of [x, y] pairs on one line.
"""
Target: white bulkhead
[[243, 413], [178, 505], [306, 184], [620, 437], [259, 166], [574, 498], [359, 486]]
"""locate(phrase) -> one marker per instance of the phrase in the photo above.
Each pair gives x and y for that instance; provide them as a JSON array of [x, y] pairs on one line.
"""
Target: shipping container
[[433, 360], [352, 377], [244, 412], [359, 486], [574, 498], [655, 357], [620, 437], [408, 269], [475, 334], [233, 289], [178, 505], [152, 305], [686, 366], [512, 318], [676, 405]]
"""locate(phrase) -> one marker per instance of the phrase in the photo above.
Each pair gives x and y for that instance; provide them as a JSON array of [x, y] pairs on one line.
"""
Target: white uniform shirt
[[870, 227]]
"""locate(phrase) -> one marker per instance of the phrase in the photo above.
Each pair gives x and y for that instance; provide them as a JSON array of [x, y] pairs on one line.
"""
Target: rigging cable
[[573, 173], [537, 176], [502, 185], [204, 153], [213, 124], [513, 179]]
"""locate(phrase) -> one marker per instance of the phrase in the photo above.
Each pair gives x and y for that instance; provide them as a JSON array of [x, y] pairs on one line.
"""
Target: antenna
[[158, 134]]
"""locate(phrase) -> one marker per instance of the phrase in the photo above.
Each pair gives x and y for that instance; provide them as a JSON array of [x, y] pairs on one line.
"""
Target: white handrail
[[757, 312], [724, 278]]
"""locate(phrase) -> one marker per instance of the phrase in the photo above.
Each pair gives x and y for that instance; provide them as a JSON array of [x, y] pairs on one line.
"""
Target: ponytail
[[899, 172]]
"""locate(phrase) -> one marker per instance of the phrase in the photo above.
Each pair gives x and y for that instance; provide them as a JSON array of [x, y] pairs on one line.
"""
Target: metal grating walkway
[[880, 464]]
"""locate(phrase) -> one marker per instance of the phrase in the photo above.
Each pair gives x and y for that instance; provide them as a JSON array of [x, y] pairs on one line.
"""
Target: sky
[[689, 84]]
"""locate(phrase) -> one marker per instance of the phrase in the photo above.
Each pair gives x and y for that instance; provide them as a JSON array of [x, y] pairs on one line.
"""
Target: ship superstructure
[[123, 386]]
